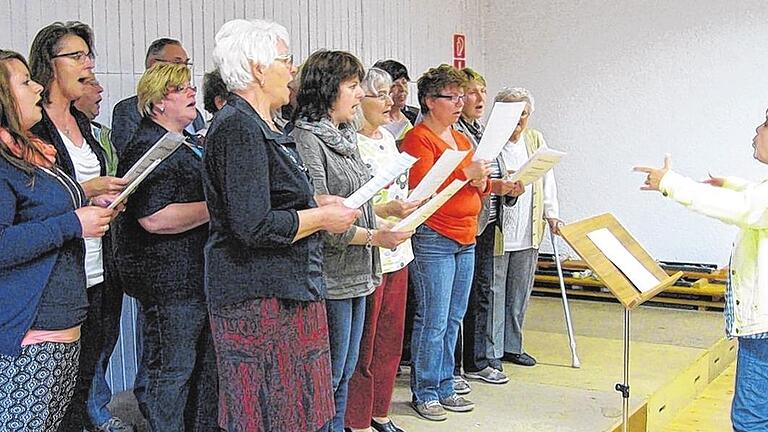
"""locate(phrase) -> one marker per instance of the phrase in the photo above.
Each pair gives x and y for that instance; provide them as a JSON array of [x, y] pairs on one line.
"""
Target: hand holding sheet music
[[385, 176], [538, 165], [440, 171], [423, 213], [164, 147]]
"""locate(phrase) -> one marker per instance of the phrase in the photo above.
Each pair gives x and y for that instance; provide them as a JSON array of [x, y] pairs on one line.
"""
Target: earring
[[161, 109]]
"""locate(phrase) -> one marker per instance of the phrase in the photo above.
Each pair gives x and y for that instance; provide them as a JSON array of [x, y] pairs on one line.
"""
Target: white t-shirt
[[87, 167], [375, 154], [518, 221], [518, 226]]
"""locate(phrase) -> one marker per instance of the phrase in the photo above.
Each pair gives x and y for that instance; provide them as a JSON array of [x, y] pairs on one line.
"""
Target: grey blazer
[[350, 270]]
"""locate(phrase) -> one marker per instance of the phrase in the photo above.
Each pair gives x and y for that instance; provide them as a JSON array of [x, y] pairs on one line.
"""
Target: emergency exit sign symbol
[[459, 46]]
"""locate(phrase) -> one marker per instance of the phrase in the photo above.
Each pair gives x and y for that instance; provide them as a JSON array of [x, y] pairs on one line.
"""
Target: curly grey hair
[[516, 94]]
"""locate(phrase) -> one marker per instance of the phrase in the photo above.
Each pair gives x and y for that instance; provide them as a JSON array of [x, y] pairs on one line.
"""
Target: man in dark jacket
[[125, 115]]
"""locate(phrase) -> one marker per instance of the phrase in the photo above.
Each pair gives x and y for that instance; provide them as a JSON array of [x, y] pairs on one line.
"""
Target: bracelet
[[368, 238]]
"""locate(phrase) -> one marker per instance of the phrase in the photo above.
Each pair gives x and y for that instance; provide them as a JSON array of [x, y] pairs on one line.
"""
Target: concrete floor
[[552, 396]]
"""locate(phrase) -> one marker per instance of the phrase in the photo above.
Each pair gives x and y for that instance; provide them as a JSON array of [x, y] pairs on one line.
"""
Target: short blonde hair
[[155, 83], [516, 94]]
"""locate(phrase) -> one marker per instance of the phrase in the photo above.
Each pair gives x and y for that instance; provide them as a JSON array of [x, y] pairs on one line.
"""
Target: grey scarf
[[342, 140]]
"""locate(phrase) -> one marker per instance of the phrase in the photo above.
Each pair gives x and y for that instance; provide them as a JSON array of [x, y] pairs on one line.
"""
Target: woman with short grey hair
[[371, 386], [264, 261], [523, 228]]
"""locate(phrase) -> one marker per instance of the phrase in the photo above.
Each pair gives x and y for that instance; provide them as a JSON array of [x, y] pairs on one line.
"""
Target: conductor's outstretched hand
[[654, 174]]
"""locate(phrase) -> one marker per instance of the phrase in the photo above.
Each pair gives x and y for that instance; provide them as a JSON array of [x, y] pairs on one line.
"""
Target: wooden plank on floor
[[711, 410]]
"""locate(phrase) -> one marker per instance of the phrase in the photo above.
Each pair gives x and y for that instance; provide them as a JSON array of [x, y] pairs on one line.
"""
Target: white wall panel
[[418, 33], [621, 83]]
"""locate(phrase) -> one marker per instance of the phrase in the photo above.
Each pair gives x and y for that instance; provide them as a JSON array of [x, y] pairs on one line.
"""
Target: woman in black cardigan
[[62, 59], [264, 259]]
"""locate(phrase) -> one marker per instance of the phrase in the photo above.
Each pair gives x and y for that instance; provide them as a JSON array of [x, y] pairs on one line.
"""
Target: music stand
[[575, 234]]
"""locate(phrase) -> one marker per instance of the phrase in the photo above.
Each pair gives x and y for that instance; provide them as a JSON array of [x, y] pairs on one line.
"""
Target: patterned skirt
[[36, 386], [274, 366]]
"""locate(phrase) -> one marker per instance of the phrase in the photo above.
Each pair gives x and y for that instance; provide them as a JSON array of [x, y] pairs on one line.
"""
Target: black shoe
[[521, 359], [385, 427]]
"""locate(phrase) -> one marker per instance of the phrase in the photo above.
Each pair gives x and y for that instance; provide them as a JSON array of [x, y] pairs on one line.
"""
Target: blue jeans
[[750, 406], [441, 276], [98, 336], [345, 329], [179, 365], [100, 393]]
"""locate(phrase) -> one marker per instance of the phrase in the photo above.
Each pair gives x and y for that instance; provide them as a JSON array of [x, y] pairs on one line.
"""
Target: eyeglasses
[[78, 56], [181, 88], [285, 58], [382, 97], [184, 62], [454, 98]]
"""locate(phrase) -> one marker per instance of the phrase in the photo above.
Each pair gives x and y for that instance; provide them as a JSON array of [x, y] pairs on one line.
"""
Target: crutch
[[574, 357]]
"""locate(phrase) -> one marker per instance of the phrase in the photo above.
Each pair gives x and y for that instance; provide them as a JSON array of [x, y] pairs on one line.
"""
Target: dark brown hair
[[321, 76], [45, 45]]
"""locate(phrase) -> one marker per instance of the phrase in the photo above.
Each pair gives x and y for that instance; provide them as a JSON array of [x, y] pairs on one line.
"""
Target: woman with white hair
[[523, 228], [264, 262], [371, 386]]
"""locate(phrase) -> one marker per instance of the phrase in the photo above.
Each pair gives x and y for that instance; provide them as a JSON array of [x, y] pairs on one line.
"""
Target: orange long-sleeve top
[[457, 218]]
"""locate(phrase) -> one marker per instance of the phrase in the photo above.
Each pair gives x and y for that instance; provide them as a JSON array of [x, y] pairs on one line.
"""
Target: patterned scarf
[[342, 140], [44, 157]]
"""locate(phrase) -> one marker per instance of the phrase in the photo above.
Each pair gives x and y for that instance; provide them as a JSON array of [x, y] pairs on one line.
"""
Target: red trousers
[[371, 386]]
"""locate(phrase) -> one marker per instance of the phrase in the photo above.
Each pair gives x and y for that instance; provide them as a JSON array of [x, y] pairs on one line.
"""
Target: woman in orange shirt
[[444, 247]]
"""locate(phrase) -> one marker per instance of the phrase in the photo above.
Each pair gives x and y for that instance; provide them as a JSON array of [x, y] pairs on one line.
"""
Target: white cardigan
[[744, 204]]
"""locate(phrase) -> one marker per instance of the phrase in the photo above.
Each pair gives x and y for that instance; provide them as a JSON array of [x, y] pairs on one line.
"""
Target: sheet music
[[612, 248], [134, 184], [540, 162], [504, 118], [383, 177], [164, 147], [423, 213], [440, 171]]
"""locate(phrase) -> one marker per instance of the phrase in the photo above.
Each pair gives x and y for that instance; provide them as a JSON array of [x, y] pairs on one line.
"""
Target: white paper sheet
[[612, 248], [385, 176], [440, 171], [134, 184], [504, 118], [164, 147], [423, 213], [538, 165]]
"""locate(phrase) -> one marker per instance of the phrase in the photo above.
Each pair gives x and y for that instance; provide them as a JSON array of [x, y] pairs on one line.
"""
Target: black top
[[161, 267], [255, 182], [64, 302], [46, 130]]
